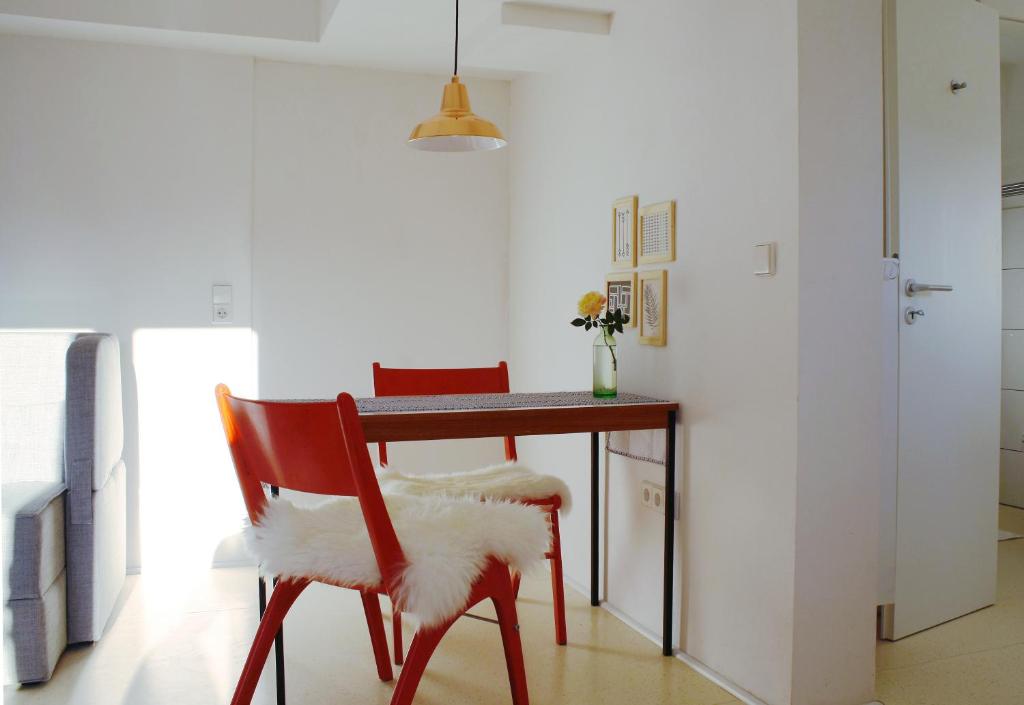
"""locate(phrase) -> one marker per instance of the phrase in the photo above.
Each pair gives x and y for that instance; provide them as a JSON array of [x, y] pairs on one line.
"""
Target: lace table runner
[[476, 402]]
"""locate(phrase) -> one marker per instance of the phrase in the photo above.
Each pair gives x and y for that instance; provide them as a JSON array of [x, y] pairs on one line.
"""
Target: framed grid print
[[620, 290], [658, 233], [653, 307], [624, 232]]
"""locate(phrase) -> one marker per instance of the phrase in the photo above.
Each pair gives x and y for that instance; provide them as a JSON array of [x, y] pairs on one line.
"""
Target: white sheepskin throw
[[508, 482], [446, 543]]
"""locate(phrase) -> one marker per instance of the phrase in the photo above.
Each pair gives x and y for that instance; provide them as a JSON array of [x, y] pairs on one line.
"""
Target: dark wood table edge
[[532, 421]]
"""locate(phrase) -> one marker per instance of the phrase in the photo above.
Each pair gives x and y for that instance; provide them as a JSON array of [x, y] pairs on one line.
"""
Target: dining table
[[453, 416], [390, 419]]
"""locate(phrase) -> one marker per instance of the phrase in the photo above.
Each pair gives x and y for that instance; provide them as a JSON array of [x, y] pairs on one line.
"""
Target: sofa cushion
[[95, 425], [33, 535], [32, 378]]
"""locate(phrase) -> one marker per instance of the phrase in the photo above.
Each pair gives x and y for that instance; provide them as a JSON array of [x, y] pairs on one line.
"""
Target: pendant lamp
[[456, 128]]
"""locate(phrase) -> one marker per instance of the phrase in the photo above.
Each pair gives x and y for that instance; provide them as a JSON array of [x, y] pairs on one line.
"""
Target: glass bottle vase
[[606, 365]]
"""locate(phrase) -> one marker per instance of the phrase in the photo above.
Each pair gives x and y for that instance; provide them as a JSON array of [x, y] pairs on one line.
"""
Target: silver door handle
[[912, 287]]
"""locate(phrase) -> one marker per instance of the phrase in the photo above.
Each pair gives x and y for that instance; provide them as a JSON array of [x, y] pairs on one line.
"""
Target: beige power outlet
[[652, 496]]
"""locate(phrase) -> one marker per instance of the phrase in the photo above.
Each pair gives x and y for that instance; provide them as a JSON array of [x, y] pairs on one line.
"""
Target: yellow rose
[[591, 304]]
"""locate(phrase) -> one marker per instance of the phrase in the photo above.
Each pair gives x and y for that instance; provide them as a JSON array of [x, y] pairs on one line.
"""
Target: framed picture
[[653, 307], [620, 290], [624, 232], [658, 233]]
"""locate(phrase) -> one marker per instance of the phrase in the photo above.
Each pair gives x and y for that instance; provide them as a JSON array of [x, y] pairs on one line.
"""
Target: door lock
[[912, 314]]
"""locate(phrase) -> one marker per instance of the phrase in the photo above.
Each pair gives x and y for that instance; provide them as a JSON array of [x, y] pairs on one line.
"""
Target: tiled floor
[[974, 660], [190, 651]]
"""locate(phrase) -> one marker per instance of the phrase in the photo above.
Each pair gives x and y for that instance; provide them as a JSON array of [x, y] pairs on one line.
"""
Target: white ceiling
[[407, 35], [403, 35]]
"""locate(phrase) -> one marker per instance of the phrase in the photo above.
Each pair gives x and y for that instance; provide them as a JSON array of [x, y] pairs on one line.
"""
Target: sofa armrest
[[33, 520], [35, 604]]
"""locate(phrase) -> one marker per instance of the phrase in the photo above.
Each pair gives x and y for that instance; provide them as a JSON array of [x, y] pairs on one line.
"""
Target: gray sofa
[[64, 503]]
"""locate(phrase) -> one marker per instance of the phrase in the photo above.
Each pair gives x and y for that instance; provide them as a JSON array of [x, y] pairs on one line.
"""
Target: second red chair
[[391, 381]]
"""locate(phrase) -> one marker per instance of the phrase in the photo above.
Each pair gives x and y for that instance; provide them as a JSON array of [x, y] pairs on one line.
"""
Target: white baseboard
[[239, 563]]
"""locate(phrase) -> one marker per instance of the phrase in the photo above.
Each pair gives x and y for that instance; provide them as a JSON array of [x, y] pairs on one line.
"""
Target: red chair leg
[[517, 578], [420, 651], [396, 633], [557, 584], [505, 605], [375, 622], [281, 600]]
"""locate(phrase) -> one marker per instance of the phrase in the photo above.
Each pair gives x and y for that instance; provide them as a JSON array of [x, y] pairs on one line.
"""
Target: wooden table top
[[494, 415], [448, 416]]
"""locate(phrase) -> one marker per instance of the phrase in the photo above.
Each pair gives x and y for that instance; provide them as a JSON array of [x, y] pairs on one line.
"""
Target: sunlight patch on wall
[[191, 511]]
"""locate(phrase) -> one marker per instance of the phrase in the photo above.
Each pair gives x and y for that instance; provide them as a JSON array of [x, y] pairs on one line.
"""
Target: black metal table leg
[[670, 517], [278, 638], [595, 557], [279, 662]]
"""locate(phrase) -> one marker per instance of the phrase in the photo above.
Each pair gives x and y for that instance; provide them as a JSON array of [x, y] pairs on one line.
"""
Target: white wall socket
[[222, 313], [652, 496]]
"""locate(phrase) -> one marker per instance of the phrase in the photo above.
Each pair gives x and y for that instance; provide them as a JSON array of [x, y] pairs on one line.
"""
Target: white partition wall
[[723, 106]]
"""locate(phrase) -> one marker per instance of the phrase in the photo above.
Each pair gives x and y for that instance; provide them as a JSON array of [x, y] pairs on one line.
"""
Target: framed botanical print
[[653, 313], [620, 290], [657, 233], [624, 232]]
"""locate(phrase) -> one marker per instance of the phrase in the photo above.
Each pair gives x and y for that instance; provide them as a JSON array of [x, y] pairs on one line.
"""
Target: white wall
[[700, 102], [365, 249], [127, 189], [124, 194], [695, 102]]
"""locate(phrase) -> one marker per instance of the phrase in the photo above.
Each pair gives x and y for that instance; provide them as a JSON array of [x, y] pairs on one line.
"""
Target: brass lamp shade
[[456, 128]]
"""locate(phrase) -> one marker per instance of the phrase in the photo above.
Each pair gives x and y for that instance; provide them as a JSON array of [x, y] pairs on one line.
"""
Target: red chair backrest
[[405, 382], [316, 447]]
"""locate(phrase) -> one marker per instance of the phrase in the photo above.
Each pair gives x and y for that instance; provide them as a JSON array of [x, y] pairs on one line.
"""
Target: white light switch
[[221, 293], [764, 259], [222, 306]]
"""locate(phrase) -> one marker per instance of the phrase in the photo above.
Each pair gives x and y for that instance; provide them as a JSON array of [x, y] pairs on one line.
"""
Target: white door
[[944, 168]]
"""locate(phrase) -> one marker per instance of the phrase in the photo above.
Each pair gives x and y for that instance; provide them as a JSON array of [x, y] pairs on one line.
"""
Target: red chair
[[391, 381], [319, 447]]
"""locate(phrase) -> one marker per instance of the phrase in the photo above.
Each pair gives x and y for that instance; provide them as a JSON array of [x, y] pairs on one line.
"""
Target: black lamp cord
[[456, 72]]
